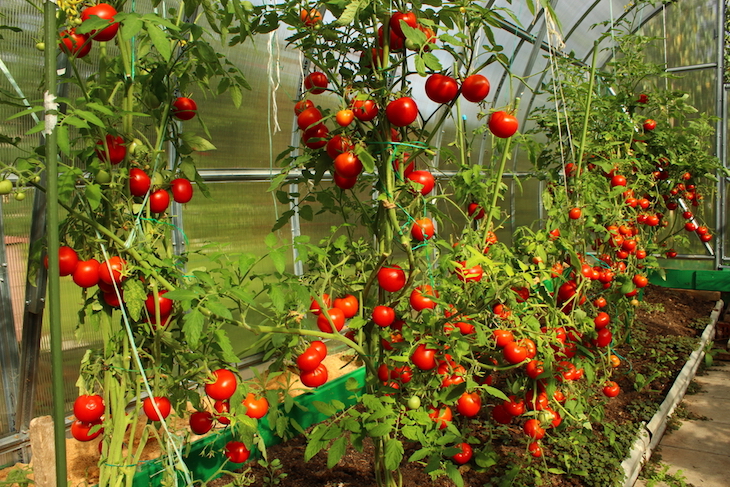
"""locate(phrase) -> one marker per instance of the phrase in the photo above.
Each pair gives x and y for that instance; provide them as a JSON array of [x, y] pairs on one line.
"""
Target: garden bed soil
[[672, 313]]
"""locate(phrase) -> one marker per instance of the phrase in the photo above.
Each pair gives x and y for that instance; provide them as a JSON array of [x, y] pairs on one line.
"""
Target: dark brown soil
[[676, 313]]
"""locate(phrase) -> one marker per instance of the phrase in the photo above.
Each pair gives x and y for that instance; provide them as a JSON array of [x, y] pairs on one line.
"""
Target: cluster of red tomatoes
[[79, 45]]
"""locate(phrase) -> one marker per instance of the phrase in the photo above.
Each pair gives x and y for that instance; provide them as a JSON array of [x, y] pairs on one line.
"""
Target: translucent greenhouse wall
[[242, 212]]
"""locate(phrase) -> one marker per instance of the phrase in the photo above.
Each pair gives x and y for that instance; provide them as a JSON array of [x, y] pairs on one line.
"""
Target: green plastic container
[[204, 467]]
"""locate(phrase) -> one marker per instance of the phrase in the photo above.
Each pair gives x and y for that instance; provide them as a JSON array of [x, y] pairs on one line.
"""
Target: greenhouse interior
[[480, 243]]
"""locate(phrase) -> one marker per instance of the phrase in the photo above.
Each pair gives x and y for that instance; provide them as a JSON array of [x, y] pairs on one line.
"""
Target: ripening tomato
[[80, 430], [475, 88], [464, 455], [348, 304], [112, 271], [310, 17], [423, 357], [336, 315], [237, 452], [256, 408], [533, 429], [348, 165], [469, 404], [442, 416], [184, 108], [611, 389], [316, 377], [365, 110], [223, 386], [112, 149], [163, 406], [106, 12], [159, 201], [503, 124], [89, 408], [408, 17], [74, 44], [402, 112], [423, 178], [383, 316], [391, 278], [422, 229], [139, 182], [316, 82], [441, 88], [86, 274], [182, 190], [420, 298], [201, 422], [344, 117]]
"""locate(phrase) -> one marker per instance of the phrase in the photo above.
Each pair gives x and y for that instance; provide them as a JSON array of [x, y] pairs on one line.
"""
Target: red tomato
[[201, 422], [139, 182], [469, 404], [514, 352], [237, 452], [106, 12], [503, 337], [441, 416], [316, 377], [344, 117], [649, 124], [364, 110], [112, 299], [422, 229], [514, 406], [315, 137], [89, 408], [643, 98], [73, 44], [182, 190], [222, 408], [602, 320], [402, 112], [159, 201], [611, 389], [503, 124], [533, 429], [348, 165], [114, 152], [164, 303], [500, 415], [536, 402], [391, 278], [316, 82], [320, 347], [336, 315], [184, 108], [111, 271], [475, 211], [348, 304], [338, 145], [309, 118], [423, 357], [395, 41], [223, 386], [309, 360], [475, 88], [534, 369], [383, 316], [535, 449], [423, 178], [408, 17], [402, 374], [256, 408], [575, 213], [600, 302], [86, 274], [441, 88], [314, 307], [302, 105], [420, 299], [163, 405], [618, 180], [640, 281], [472, 274], [344, 183], [68, 260], [604, 337], [464, 455], [81, 430]]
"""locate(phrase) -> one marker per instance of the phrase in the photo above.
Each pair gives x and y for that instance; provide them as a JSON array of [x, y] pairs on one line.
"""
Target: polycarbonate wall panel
[[691, 32], [700, 85]]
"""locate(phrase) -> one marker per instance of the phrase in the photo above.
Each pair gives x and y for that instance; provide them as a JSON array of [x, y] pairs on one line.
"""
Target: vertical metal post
[[54, 287], [295, 230], [720, 134], [9, 360]]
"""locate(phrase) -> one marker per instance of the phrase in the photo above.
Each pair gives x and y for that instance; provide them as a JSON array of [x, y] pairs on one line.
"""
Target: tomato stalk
[[497, 190]]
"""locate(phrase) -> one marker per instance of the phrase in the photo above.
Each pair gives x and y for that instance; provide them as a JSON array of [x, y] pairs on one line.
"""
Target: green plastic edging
[[204, 466], [699, 280]]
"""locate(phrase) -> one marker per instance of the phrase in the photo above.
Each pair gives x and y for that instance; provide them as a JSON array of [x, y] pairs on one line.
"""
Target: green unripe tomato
[[41, 46], [103, 177], [157, 180], [19, 196], [414, 402], [135, 147], [6, 186]]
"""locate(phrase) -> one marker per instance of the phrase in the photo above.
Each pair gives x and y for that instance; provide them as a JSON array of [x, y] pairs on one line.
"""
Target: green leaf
[[236, 95], [453, 473], [493, 391], [89, 117], [182, 294], [225, 345], [193, 327], [220, 309], [245, 261], [100, 108], [313, 447], [278, 257], [324, 408], [348, 15], [93, 195], [131, 25], [393, 453], [419, 455], [134, 295], [196, 142], [306, 213], [432, 62], [271, 240], [380, 429], [367, 160], [336, 451], [160, 40], [278, 300], [557, 471]]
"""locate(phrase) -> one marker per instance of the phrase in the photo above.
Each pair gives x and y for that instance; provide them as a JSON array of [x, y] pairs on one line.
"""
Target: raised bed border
[[650, 434]]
